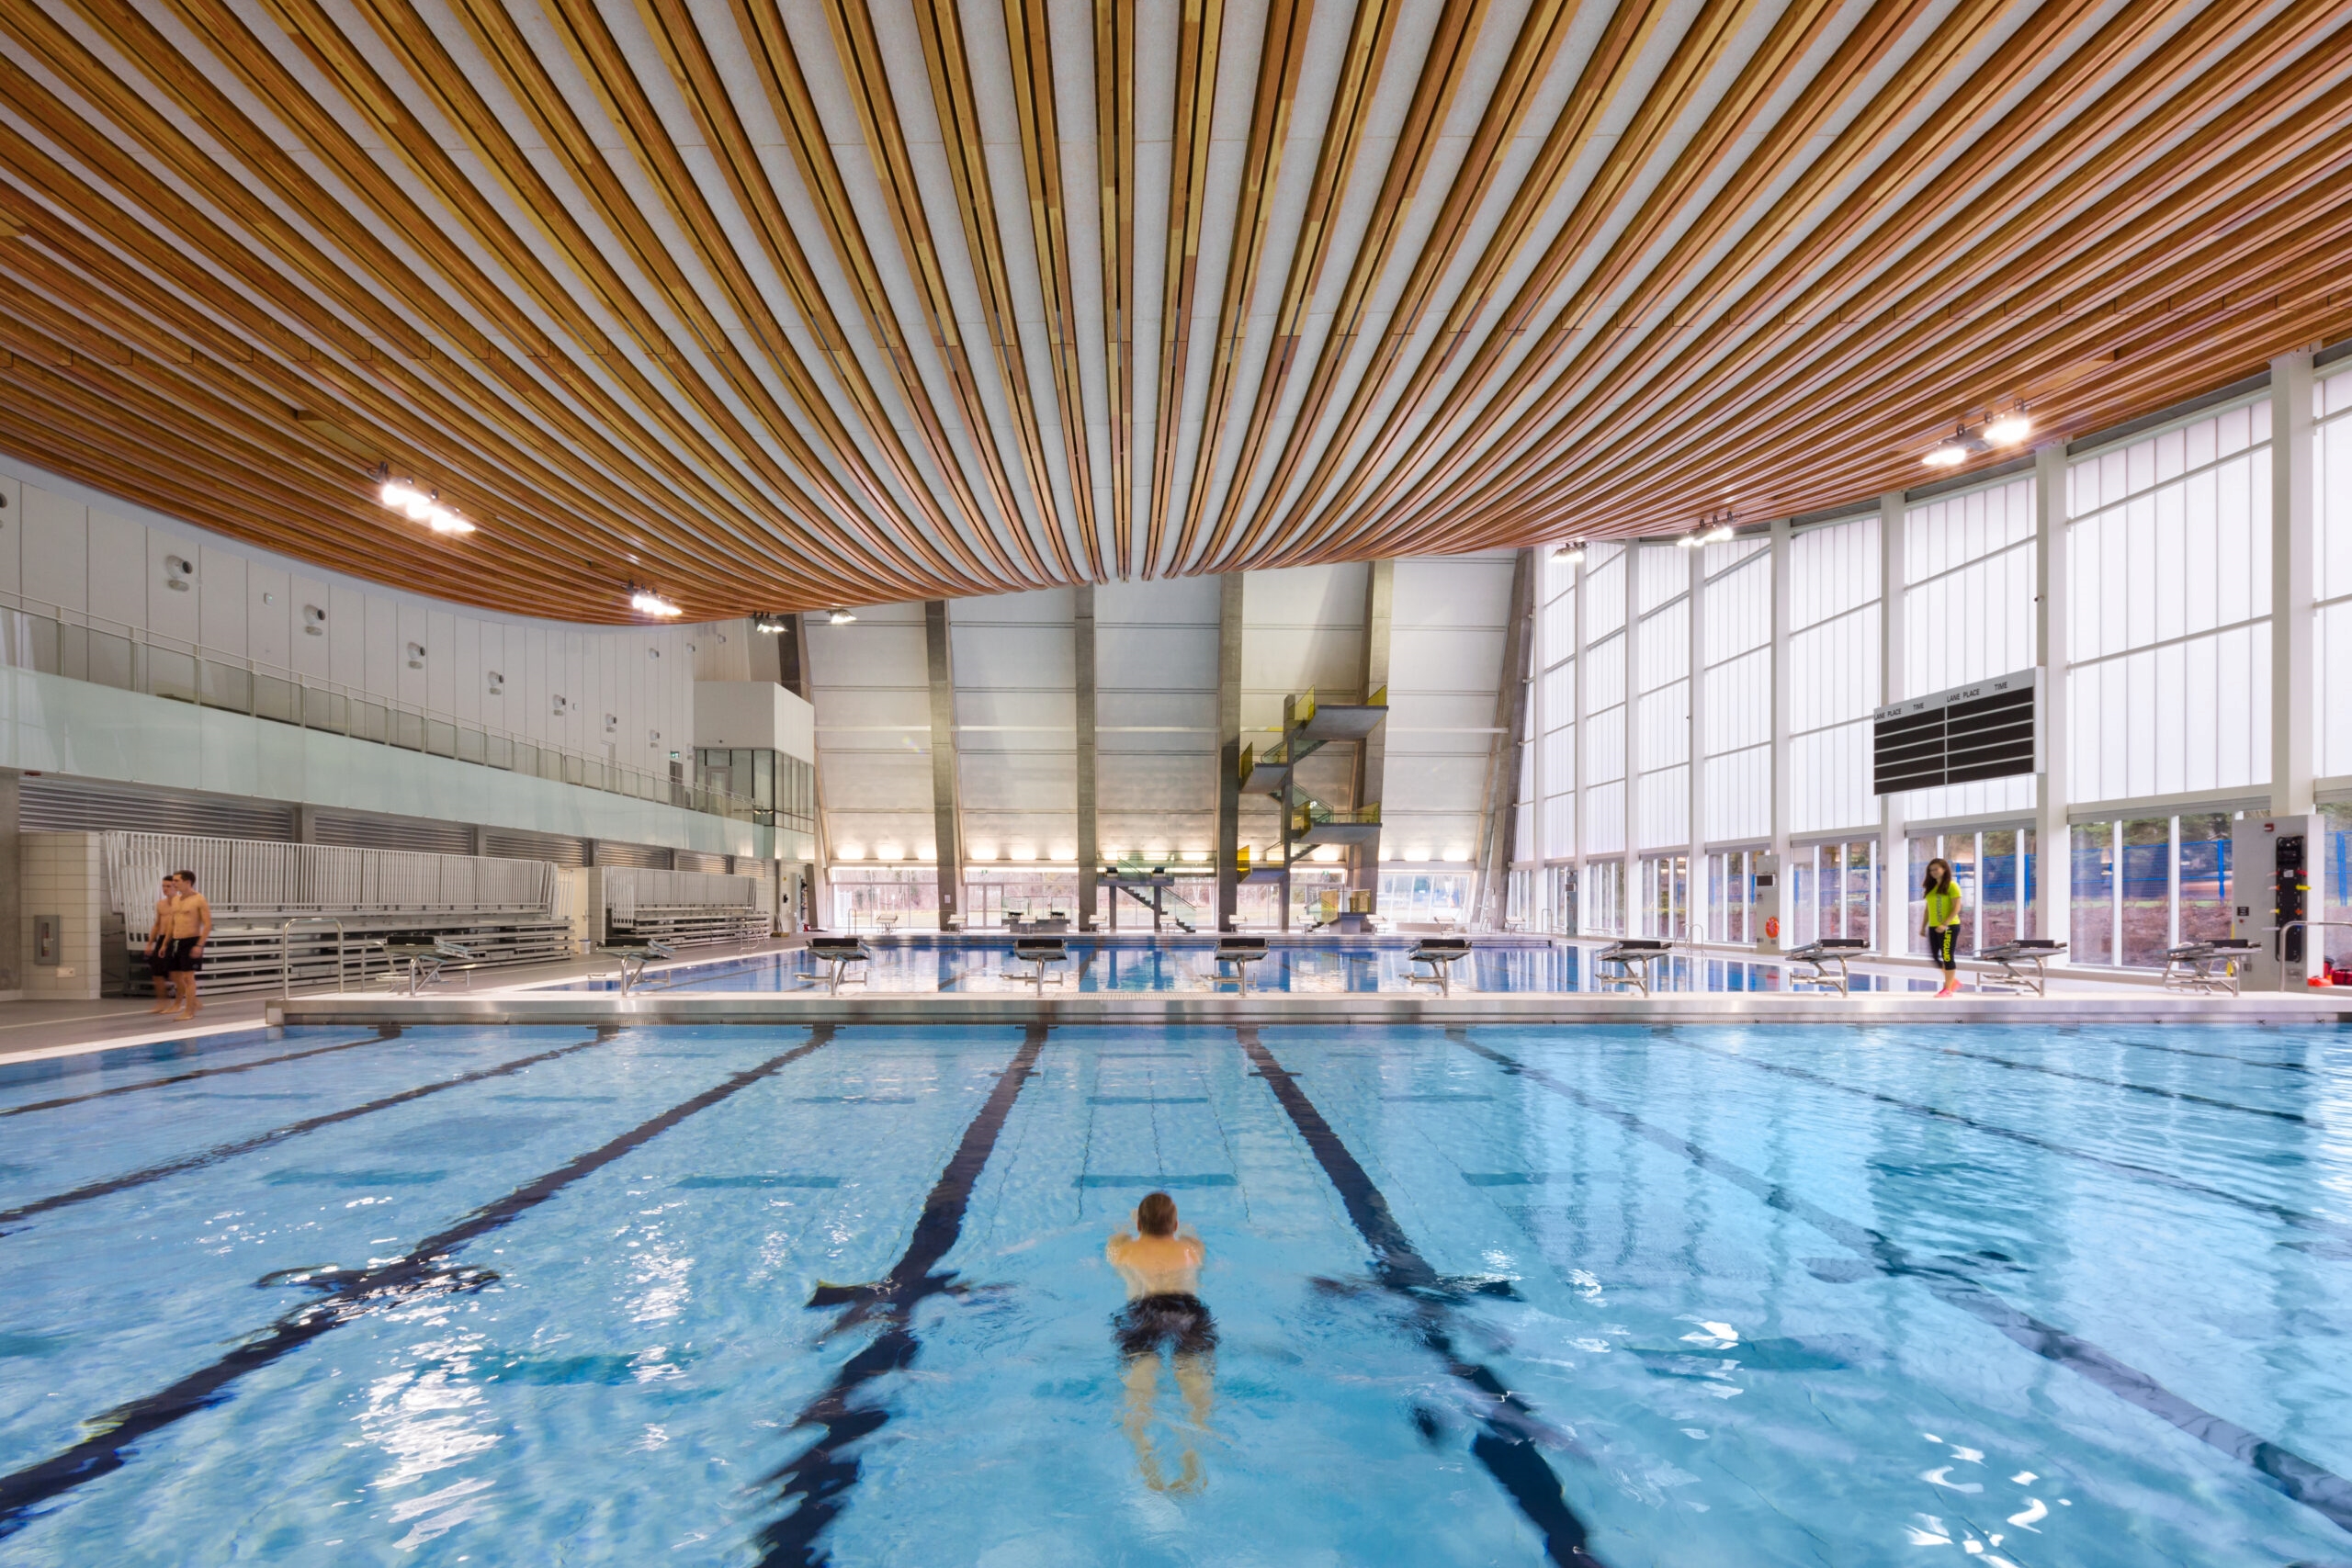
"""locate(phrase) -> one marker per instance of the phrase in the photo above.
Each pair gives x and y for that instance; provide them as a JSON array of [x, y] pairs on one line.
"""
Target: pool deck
[[1099, 1007]]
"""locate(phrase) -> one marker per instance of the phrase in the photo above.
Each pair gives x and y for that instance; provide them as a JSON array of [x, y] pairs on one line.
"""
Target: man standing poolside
[[1162, 1265], [159, 942], [190, 922]]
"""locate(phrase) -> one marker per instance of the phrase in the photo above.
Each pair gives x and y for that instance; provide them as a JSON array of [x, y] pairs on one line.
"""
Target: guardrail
[[2278, 940], [286, 950]]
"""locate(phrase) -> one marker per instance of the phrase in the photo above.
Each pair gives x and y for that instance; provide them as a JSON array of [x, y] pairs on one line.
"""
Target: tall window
[[1557, 702], [1604, 700], [1662, 710], [2168, 569], [2332, 578], [1833, 674], [1968, 615], [1737, 712]]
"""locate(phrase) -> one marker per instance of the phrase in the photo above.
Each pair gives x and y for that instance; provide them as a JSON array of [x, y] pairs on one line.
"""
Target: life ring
[[1773, 925]]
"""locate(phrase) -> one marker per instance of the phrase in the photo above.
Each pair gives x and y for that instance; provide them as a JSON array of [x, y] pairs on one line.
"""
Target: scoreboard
[[1986, 730]]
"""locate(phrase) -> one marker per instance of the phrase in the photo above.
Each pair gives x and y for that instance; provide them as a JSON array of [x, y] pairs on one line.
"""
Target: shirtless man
[[1162, 1267], [189, 920], [159, 938]]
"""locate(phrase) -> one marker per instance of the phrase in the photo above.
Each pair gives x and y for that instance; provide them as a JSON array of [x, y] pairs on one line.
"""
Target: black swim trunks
[[1179, 1320], [180, 957]]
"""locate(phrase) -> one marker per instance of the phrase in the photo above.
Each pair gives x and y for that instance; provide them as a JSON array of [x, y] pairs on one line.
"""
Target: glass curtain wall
[[1833, 674], [1731, 895], [1662, 713], [1968, 597], [1737, 711], [1605, 708], [1556, 771]]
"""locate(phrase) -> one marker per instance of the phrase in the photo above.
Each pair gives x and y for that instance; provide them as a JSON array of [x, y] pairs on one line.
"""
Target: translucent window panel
[[1662, 647], [1604, 818], [1738, 611], [1663, 808], [1972, 615], [1731, 895], [1662, 730], [1739, 795], [1604, 673], [2091, 924], [1833, 670], [1556, 695], [1559, 632], [1739, 709], [1830, 779], [2335, 889], [1662, 571], [1604, 590], [1559, 825], [1559, 770], [1600, 899], [2121, 472], [1832, 569], [1604, 746], [2174, 562], [2332, 578], [2146, 877], [1717, 560], [2017, 794], [2000, 872], [2186, 716]]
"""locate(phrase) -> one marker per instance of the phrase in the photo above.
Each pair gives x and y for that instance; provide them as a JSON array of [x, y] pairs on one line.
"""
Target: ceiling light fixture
[[645, 602], [771, 624], [1571, 554], [1956, 448], [839, 617], [2008, 429], [419, 503], [1712, 530]]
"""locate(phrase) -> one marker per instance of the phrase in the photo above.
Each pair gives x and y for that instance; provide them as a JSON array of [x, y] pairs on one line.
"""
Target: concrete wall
[[63, 876]]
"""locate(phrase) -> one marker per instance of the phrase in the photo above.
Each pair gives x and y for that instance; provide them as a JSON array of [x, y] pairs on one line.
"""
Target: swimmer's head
[[1155, 1215]]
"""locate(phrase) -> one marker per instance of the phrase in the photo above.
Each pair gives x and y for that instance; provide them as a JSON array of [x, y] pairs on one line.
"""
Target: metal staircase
[[1154, 888], [1306, 822]]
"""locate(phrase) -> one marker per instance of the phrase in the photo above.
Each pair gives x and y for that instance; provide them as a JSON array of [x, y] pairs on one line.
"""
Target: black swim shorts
[[1179, 1320], [180, 957]]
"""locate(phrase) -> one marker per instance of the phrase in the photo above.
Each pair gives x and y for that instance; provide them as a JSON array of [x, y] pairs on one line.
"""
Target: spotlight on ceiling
[[770, 625], [1710, 531], [1956, 449], [645, 602], [2008, 429], [839, 617], [1570, 554], [420, 504]]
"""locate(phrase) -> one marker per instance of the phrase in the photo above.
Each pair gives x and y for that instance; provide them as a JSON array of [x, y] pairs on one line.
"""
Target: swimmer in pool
[[1162, 1267]]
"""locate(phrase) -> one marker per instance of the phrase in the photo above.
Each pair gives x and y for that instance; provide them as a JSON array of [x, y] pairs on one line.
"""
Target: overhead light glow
[[839, 617], [1950, 455], [645, 602], [2010, 429], [770, 625], [421, 506], [1569, 555], [444, 521]]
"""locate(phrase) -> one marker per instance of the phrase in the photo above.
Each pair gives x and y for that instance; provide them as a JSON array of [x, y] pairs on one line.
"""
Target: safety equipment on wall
[[1772, 926]]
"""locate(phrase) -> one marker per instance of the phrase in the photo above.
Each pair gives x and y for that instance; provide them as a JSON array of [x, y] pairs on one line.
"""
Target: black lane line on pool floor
[[219, 1152], [427, 1269], [2321, 1490], [821, 1476], [2279, 1211], [2182, 1095], [383, 1033], [1507, 1447]]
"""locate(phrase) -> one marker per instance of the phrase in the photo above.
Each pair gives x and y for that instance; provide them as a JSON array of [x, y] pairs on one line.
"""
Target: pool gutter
[[786, 1010]]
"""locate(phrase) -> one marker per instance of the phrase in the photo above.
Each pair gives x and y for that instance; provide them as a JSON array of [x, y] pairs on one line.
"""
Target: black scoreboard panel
[[1986, 730]]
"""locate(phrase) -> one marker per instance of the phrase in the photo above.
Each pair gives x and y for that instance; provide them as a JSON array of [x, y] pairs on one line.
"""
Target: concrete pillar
[[1089, 853], [2293, 529], [306, 825], [14, 936], [1637, 915], [1895, 853], [1371, 757], [946, 822], [2053, 847], [1499, 829], [1228, 751]]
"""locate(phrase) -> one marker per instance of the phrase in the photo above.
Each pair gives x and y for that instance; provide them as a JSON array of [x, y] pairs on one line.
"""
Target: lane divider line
[[1507, 1445], [817, 1483], [383, 1031], [2321, 1490], [427, 1269]]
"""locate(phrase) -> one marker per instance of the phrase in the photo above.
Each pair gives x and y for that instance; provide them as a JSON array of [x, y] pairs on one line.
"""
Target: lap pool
[[1499, 1295]]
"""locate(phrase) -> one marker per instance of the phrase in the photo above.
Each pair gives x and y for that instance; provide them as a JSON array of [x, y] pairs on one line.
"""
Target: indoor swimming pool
[[1628, 1296], [980, 968]]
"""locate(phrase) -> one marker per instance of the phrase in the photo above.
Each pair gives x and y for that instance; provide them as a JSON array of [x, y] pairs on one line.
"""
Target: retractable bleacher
[[309, 915], [684, 908]]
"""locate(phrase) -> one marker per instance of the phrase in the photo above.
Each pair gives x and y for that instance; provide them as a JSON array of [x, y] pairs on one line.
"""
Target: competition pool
[[1685, 1296], [980, 968]]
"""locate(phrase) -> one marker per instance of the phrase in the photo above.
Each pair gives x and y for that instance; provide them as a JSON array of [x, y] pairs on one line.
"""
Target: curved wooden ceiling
[[768, 306]]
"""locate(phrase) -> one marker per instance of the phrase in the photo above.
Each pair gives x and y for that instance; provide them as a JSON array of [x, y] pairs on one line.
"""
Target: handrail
[[285, 950], [2278, 942]]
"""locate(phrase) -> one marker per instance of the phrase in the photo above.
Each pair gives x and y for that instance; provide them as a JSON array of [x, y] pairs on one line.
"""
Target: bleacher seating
[[277, 908], [684, 908]]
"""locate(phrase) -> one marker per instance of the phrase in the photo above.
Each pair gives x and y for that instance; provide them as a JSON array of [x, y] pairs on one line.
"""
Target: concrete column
[[14, 936], [2053, 845], [1371, 757], [2293, 528], [306, 825], [1699, 911], [946, 821], [1089, 853], [1499, 829], [1895, 856], [1228, 752], [1781, 710]]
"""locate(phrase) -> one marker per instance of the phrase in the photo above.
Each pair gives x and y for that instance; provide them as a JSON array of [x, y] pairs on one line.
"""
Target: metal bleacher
[[684, 908], [304, 915]]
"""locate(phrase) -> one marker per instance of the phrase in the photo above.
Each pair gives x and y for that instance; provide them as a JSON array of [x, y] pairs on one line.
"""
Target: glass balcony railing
[[131, 661]]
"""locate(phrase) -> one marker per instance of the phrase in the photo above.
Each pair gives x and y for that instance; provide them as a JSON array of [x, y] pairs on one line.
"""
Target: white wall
[[71, 553], [1155, 715], [871, 687], [1452, 616]]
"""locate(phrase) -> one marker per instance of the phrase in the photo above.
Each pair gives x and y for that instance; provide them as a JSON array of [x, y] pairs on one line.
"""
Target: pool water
[[1686, 1296], [986, 968]]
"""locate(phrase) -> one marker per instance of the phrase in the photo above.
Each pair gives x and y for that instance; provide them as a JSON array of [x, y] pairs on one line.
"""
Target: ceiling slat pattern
[[765, 304]]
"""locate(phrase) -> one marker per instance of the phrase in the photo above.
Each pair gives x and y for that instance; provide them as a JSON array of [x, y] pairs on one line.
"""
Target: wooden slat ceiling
[[766, 307]]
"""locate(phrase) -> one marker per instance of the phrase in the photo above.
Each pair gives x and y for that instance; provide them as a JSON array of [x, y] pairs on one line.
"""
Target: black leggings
[[1943, 942]]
